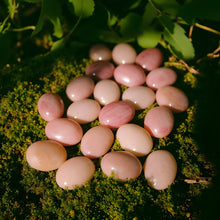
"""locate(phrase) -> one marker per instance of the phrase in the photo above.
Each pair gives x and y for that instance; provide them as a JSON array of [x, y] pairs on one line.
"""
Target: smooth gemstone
[[122, 165], [123, 53], [129, 75], [140, 97], [159, 122], [46, 155], [100, 70], [106, 91], [76, 171], [160, 169], [150, 59], [100, 52], [50, 106], [80, 88], [135, 139], [173, 98], [161, 77], [116, 114], [96, 142], [84, 111], [65, 131]]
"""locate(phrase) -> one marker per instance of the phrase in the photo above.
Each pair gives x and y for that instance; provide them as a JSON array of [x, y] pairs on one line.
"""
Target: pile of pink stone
[[97, 95]]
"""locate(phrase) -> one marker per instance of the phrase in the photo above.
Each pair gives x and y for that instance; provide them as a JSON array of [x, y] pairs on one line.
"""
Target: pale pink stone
[[106, 91], [129, 75], [46, 155], [84, 111], [100, 70], [50, 106], [65, 131], [80, 88], [161, 77], [140, 97], [150, 59], [122, 165], [134, 139], [96, 142], [123, 53], [173, 98], [159, 122], [76, 171], [116, 114], [160, 169], [100, 52]]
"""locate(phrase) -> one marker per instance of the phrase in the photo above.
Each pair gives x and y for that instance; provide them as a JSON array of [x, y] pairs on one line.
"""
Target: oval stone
[[135, 139], [84, 111], [160, 169], [96, 142], [122, 165], [173, 98], [80, 88], [76, 171], [50, 106], [140, 97], [129, 75], [159, 122], [106, 91], [100, 52], [116, 114], [65, 131], [46, 155]]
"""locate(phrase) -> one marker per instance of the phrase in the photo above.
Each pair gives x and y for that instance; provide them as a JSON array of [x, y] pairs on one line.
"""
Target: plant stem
[[207, 28], [75, 26], [23, 28]]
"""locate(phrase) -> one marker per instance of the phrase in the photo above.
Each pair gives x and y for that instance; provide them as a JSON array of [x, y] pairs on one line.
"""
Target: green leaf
[[59, 44], [149, 15], [11, 8]]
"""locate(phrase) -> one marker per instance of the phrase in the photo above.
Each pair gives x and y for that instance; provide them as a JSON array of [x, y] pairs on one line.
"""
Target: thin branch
[[23, 28], [207, 28], [205, 180]]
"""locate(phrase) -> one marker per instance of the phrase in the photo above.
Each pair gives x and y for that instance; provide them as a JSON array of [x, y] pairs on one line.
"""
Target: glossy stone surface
[[160, 169], [106, 91], [46, 155], [161, 77], [116, 114], [122, 165], [150, 59], [100, 70], [135, 139], [96, 142], [100, 52], [65, 131], [123, 53], [129, 75], [50, 106], [140, 97], [76, 171], [173, 98], [84, 111], [159, 122], [80, 88]]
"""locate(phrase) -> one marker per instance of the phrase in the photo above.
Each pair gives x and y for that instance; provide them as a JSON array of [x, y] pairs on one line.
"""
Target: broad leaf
[[59, 44], [149, 15]]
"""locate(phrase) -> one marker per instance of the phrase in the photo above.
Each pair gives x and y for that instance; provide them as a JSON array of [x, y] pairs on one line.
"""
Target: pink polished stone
[[76, 171], [84, 111], [129, 75], [123, 53], [65, 131], [140, 97], [106, 91], [50, 106], [161, 77], [100, 52], [160, 169], [159, 122], [122, 165], [173, 98], [100, 70], [150, 59], [80, 88], [96, 142], [116, 114], [46, 155]]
